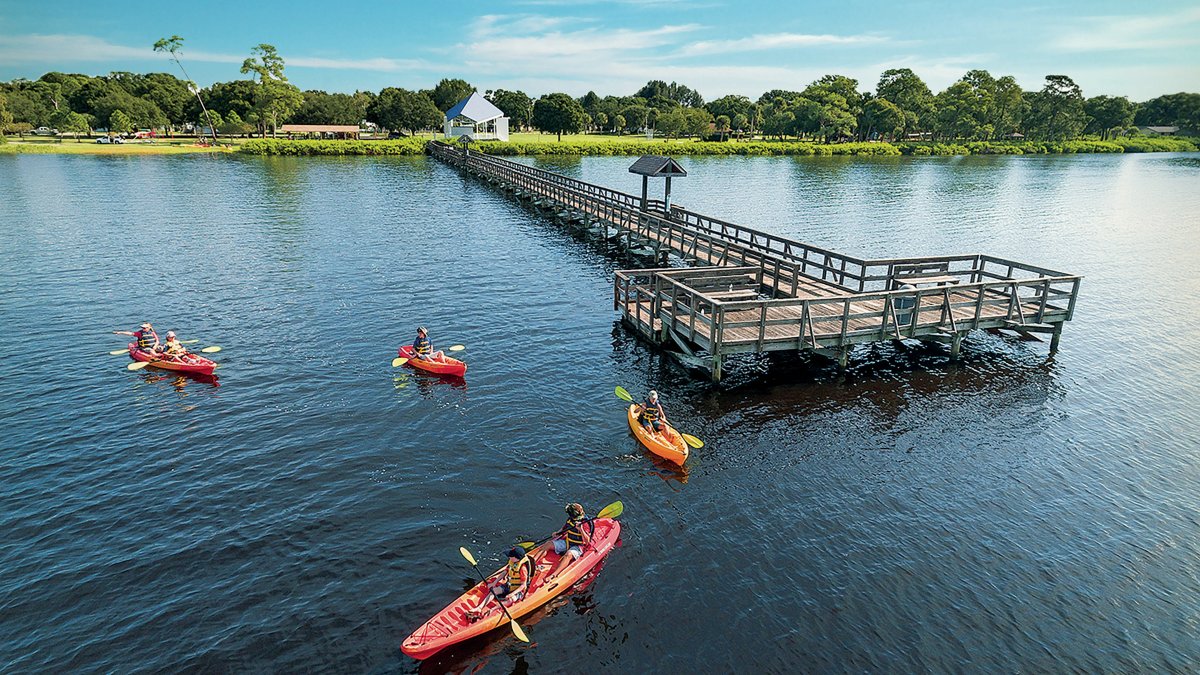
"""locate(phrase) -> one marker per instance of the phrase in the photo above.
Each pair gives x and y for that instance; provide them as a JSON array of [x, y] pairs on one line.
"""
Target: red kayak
[[447, 366], [451, 625], [188, 363]]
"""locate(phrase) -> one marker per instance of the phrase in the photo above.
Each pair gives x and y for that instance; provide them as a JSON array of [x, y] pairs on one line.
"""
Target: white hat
[[170, 333]]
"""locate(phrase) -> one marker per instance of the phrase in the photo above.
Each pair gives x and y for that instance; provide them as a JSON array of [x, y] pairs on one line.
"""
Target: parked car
[[45, 131], [110, 139]]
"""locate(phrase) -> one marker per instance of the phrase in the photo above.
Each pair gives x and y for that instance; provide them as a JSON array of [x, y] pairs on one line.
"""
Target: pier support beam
[[843, 357], [1054, 337], [716, 367], [955, 346]]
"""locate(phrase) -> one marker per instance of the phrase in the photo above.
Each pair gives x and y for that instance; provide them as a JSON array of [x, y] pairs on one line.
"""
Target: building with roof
[[1159, 131], [477, 117]]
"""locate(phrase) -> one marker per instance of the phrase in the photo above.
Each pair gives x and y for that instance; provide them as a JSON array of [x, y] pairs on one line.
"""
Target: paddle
[[115, 352], [516, 628], [691, 440], [189, 342], [211, 350], [456, 348], [399, 361], [613, 510], [137, 365]]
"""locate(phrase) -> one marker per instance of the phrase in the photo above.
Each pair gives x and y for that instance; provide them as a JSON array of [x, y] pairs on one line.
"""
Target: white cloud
[[776, 41], [1121, 33], [18, 49]]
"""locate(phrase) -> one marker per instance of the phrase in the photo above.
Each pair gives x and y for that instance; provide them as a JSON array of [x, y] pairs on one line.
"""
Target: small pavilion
[[339, 131], [654, 166], [478, 117]]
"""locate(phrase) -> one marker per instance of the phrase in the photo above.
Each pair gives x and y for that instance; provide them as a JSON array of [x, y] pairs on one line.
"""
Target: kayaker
[[511, 586], [147, 339], [173, 348], [651, 413], [423, 348], [570, 540]]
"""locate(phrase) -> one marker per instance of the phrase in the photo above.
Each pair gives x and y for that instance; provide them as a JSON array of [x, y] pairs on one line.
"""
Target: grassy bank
[[50, 146], [273, 146]]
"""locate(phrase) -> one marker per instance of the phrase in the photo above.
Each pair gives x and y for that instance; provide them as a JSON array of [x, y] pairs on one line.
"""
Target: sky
[[717, 47]]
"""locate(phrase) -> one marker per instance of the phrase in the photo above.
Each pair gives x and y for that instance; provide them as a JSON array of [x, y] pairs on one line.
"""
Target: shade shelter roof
[[655, 165], [475, 108], [320, 128]]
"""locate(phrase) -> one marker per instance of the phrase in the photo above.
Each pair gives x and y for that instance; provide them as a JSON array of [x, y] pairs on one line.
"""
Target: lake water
[[1007, 513]]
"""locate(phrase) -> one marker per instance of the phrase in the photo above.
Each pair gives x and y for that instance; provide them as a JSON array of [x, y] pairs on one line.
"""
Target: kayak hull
[[450, 626], [191, 363], [671, 448], [450, 367]]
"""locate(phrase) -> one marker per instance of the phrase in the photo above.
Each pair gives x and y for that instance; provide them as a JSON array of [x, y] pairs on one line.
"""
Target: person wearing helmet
[[173, 348], [423, 348], [569, 541], [510, 586], [147, 339], [651, 413]]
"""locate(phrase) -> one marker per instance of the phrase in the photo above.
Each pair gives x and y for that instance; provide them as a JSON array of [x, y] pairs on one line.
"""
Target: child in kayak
[[511, 586], [651, 413], [423, 348], [147, 339], [570, 540], [173, 348]]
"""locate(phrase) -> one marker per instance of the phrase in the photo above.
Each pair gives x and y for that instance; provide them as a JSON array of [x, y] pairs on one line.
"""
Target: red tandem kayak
[[449, 366], [189, 363], [451, 626]]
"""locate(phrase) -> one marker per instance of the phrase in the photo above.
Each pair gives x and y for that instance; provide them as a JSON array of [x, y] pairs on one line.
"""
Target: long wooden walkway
[[750, 291]]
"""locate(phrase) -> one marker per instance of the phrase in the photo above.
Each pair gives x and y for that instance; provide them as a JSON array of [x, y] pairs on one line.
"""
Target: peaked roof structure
[[654, 165], [475, 108]]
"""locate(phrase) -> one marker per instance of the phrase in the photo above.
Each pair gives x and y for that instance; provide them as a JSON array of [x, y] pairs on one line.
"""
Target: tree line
[[831, 109]]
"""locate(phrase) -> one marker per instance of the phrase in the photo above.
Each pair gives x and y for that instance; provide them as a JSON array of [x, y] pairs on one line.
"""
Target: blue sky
[[715, 46]]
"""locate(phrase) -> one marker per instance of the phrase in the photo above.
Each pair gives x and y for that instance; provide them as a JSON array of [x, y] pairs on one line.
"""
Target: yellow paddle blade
[[467, 554], [211, 350], [527, 545], [517, 630], [613, 510], [623, 395], [457, 348], [189, 342], [692, 441], [119, 351], [137, 365], [397, 362]]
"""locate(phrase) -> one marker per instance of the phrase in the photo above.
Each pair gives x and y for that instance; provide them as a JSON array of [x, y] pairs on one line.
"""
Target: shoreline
[[616, 146]]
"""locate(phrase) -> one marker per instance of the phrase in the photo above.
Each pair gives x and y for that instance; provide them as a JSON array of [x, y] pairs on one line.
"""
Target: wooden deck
[[749, 291]]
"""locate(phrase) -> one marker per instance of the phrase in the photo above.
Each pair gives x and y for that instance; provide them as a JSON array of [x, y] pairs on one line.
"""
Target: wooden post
[[716, 367], [1055, 336], [955, 346], [843, 357], [645, 190], [667, 196]]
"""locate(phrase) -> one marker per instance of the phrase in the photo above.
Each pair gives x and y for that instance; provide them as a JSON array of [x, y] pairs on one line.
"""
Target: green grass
[[36, 145]]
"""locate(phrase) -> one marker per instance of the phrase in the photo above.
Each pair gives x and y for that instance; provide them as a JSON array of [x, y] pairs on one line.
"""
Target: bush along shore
[[416, 146]]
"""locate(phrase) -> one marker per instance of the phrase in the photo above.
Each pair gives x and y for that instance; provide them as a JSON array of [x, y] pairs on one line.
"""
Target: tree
[[619, 124], [957, 113], [1108, 113], [635, 116], [516, 105], [398, 109], [601, 121], [226, 97], [1008, 105], [322, 108], [723, 123], [883, 117], [671, 122], [69, 121], [909, 93], [740, 122], [119, 122], [448, 92], [730, 106], [174, 45], [275, 99], [234, 125], [1180, 110], [675, 93], [697, 122], [6, 118], [1056, 112], [556, 113], [591, 103]]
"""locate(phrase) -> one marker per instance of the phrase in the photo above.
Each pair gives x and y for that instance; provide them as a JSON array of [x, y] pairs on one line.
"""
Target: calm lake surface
[[1008, 513]]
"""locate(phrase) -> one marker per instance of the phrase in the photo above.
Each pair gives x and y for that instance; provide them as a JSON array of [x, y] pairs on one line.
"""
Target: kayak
[[188, 363], [451, 625], [449, 366], [668, 444]]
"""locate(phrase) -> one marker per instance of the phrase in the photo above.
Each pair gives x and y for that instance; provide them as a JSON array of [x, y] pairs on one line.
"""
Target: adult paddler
[[147, 339]]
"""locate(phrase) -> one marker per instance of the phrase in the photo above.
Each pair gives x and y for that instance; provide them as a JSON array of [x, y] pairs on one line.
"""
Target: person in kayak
[[147, 339], [511, 586], [651, 413], [423, 348], [173, 348], [570, 540]]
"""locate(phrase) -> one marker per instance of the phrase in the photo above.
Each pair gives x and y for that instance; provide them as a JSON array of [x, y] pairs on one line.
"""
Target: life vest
[[650, 411], [146, 339], [573, 533], [173, 348], [514, 572], [421, 345]]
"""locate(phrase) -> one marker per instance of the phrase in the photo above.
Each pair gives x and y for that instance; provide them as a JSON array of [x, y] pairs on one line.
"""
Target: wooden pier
[[741, 290]]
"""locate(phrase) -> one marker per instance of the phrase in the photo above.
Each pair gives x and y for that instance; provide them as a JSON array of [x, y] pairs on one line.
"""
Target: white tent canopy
[[475, 115]]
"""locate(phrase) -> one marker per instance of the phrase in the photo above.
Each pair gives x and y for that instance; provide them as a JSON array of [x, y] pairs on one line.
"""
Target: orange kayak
[[451, 626], [447, 366], [668, 444]]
